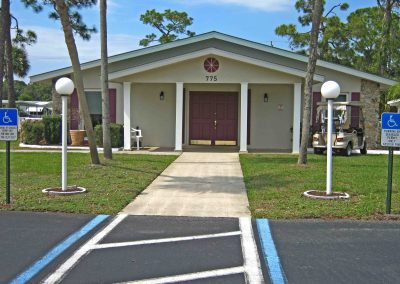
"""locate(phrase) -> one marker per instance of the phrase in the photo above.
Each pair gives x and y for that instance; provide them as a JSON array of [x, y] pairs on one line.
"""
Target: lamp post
[[65, 87], [330, 90]]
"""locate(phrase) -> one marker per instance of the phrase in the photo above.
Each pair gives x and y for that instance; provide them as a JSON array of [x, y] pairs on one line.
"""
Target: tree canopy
[[170, 24], [355, 43], [79, 27]]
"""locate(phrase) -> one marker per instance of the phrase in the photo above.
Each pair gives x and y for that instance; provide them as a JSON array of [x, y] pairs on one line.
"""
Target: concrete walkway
[[196, 184]]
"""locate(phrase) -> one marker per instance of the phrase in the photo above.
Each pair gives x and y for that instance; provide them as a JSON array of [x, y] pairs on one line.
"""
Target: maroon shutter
[[113, 103], [248, 116], [355, 111], [74, 111], [315, 123]]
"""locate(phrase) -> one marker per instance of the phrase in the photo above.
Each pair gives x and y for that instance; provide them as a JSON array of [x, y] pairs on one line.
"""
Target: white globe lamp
[[65, 86], [330, 90]]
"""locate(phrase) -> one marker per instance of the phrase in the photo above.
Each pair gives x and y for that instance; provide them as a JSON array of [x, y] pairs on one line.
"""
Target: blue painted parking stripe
[[57, 250], [270, 254]]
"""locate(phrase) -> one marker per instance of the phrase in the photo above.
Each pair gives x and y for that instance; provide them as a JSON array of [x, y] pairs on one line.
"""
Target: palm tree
[[9, 55], [312, 61], [105, 100], [63, 13], [6, 53], [4, 4]]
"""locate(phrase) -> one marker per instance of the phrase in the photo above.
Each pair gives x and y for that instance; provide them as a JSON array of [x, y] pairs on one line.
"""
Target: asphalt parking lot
[[133, 251], [133, 248], [160, 249], [25, 237], [318, 251]]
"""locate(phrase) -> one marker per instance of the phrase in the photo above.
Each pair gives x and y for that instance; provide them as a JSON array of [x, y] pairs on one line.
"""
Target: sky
[[253, 20]]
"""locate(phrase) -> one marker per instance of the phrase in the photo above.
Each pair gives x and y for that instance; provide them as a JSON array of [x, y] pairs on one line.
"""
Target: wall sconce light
[[162, 97], [265, 98]]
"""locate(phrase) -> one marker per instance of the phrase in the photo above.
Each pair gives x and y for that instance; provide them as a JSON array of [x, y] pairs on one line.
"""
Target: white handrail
[[138, 132]]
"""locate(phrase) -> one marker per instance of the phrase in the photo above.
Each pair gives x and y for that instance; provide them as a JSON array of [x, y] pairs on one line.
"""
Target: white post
[[243, 116], [178, 116], [296, 118], [329, 150], [330, 90], [64, 183], [127, 116], [65, 87]]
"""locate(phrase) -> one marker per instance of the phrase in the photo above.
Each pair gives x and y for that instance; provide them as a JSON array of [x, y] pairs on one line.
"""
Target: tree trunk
[[63, 12], [105, 98], [312, 61], [9, 56], [386, 8], [4, 5], [56, 99]]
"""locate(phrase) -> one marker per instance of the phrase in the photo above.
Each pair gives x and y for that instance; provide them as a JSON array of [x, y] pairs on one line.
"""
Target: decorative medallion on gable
[[211, 65]]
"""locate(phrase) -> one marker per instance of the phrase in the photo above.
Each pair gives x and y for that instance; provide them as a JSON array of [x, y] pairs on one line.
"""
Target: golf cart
[[345, 137]]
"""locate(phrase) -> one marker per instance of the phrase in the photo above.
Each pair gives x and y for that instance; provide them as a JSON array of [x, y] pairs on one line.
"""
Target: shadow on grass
[[132, 169]]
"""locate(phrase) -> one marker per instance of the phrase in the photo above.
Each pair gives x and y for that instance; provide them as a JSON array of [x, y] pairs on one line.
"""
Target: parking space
[[161, 249], [26, 237], [317, 251]]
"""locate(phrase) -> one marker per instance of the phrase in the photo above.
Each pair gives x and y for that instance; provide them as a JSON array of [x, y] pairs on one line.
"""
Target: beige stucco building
[[215, 89]]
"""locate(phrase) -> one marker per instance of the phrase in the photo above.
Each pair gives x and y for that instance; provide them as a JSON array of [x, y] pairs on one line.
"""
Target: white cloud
[[264, 5], [50, 51]]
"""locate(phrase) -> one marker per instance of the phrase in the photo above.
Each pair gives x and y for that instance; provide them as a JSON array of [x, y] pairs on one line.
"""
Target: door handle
[[215, 123]]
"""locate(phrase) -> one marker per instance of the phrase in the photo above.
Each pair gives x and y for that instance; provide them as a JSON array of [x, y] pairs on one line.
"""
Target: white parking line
[[57, 276], [190, 276], [252, 264], [167, 240]]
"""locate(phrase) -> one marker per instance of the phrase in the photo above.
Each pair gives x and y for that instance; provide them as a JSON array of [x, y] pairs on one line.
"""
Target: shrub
[[52, 129], [32, 132], [116, 133]]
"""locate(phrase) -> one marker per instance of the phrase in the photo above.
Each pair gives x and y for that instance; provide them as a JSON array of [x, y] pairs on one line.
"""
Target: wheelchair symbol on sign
[[6, 118], [391, 122]]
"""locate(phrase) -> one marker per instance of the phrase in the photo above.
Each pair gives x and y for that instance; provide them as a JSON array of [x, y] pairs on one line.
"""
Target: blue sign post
[[390, 137], [8, 132]]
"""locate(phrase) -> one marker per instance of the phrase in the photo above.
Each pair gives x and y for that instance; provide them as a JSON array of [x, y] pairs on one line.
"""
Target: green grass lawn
[[13, 145], [275, 184], [110, 187]]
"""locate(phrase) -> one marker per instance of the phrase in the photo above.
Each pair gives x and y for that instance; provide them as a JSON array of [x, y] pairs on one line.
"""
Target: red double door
[[213, 118]]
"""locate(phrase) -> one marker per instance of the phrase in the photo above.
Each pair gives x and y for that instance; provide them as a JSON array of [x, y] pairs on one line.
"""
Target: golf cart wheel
[[348, 151], [318, 151], [364, 149]]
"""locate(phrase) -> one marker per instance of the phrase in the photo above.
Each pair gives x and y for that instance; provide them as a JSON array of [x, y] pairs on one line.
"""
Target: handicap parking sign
[[390, 129], [390, 120], [8, 124]]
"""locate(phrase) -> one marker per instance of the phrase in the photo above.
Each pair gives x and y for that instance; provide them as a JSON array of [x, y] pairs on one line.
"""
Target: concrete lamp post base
[[319, 194], [69, 191]]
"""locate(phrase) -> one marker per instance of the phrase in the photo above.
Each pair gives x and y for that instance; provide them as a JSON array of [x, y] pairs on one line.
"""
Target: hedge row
[[48, 131], [32, 132], [45, 131], [116, 133]]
